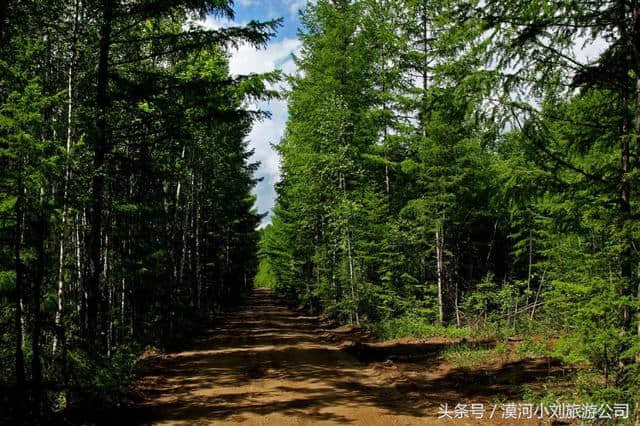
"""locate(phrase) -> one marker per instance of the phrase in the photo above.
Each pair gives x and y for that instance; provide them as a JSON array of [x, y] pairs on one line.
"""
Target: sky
[[277, 55]]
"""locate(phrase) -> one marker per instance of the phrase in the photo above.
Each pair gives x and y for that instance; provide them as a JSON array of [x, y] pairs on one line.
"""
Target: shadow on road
[[267, 359]]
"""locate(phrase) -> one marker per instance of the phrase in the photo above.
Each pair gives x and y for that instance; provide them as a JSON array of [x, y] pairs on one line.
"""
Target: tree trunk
[[197, 258], [4, 27], [535, 301], [425, 68], [354, 291], [440, 270], [82, 298], [625, 194], [625, 166], [67, 175], [491, 243], [100, 150], [19, 342], [387, 182], [185, 226], [530, 266], [334, 287], [36, 362], [625, 210], [456, 305], [106, 298]]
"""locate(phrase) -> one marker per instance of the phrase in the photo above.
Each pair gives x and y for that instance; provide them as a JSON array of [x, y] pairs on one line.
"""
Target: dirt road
[[269, 365]]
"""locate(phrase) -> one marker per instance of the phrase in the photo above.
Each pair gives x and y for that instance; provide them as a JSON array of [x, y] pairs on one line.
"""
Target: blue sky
[[247, 10], [278, 55]]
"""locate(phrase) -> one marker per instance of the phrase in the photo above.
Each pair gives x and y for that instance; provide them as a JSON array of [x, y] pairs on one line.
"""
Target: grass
[[413, 326], [466, 353], [534, 342], [466, 356]]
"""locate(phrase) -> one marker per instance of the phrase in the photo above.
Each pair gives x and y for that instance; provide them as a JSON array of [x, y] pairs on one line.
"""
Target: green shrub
[[415, 326]]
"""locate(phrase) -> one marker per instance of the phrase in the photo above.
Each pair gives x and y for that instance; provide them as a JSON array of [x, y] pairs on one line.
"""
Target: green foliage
[[596, 307], [126, 212], [466, 356], [265, 277], [424, 327], [444, 162], [105, 380], [454, 162], [7, 283]]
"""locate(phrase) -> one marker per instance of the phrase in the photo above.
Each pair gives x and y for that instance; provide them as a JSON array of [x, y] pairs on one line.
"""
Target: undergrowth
[[414, 326], [581, 383]]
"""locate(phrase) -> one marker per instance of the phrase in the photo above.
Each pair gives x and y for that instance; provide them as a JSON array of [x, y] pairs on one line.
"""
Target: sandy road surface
[[268, 365]]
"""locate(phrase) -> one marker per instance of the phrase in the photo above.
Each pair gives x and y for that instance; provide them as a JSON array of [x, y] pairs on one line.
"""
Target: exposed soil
[[270, 365]]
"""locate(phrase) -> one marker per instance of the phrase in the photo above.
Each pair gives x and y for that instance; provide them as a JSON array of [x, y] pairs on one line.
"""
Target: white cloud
[[262, 135], [214, 23], [588, 50], [296, 5], [245, 60]]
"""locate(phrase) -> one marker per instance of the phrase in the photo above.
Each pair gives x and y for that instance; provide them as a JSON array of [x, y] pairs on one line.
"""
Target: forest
[[464, 167], [126, 213], [459, 169]]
